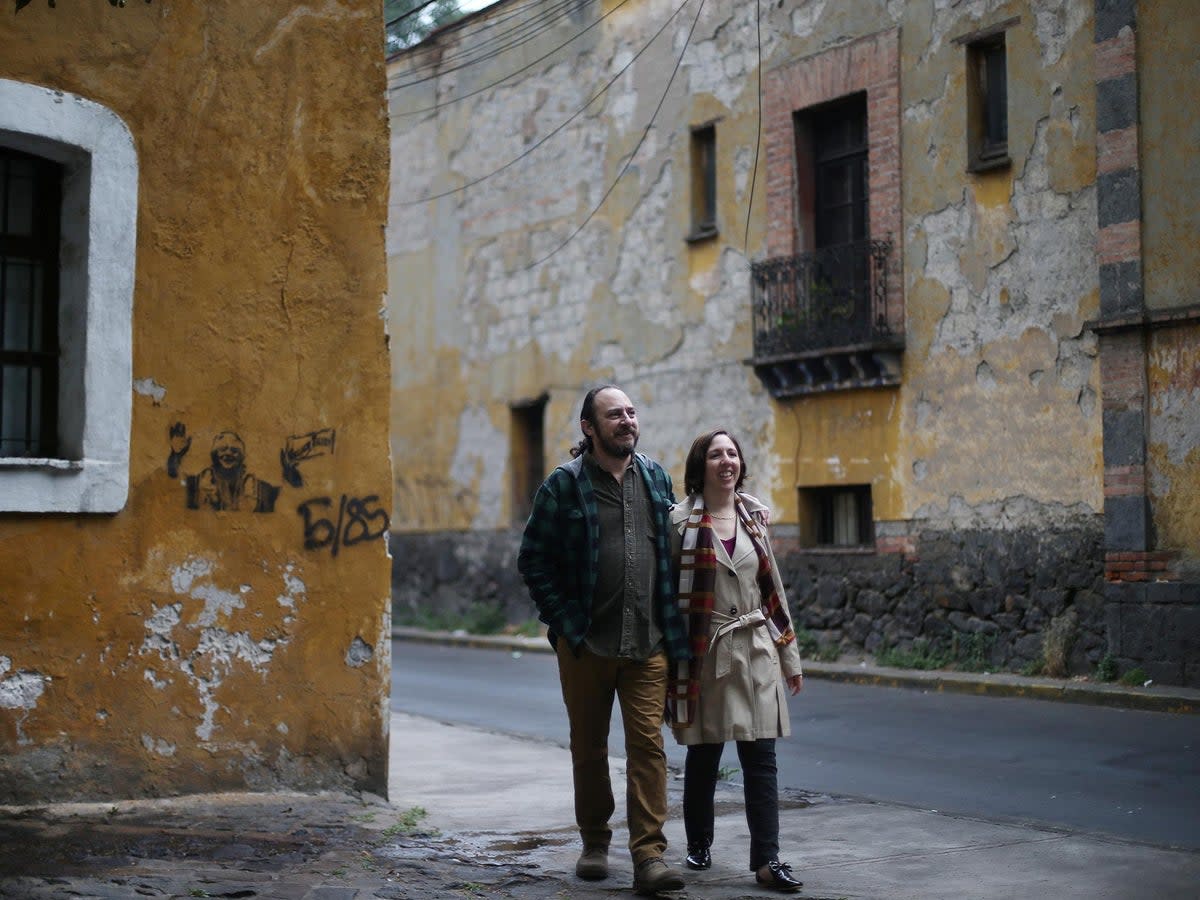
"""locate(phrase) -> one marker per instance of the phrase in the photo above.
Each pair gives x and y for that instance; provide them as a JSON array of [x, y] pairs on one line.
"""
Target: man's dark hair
[[588, 413], [693, 471]]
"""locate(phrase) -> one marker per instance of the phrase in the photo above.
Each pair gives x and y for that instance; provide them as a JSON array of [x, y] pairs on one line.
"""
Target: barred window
[[30, 198]]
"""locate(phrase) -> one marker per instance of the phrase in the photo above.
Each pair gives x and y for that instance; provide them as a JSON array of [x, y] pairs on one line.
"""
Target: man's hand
[[795, 684], [181, 442]]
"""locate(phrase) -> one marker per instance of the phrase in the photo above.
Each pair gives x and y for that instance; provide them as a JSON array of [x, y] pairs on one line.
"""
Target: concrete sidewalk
[[497, 821]]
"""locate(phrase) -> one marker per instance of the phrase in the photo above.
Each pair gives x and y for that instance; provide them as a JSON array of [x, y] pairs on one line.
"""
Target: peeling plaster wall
[[992, 440], [626, 300], [1173, 443], [196, 640], [1001, 384]]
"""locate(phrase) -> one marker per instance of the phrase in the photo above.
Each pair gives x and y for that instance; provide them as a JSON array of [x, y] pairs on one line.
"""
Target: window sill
[[991, 164], [31, 462], [703, 233]]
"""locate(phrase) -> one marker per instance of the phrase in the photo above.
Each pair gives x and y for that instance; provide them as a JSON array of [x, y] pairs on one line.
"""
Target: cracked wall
[[229, 628], [1000, 391]]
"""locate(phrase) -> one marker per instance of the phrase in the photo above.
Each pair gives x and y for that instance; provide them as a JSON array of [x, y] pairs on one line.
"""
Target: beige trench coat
[[743, 695]]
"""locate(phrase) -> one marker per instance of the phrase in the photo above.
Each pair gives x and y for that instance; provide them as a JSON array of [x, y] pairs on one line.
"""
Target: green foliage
[[1134, 677], [478, 618], [409, 822], [409, 22], [1037, 667], [1106, 669], [972, 652], [922, 655], [806, 643], [811, 648], [726, 772]]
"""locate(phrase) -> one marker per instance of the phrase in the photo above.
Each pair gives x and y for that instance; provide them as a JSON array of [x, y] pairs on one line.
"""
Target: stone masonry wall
[[995, 592]]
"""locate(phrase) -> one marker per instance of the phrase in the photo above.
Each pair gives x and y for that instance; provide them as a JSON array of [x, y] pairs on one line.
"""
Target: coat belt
[[726, 625]]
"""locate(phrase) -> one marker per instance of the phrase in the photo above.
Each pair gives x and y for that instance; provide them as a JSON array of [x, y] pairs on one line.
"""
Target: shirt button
[[733, 610]]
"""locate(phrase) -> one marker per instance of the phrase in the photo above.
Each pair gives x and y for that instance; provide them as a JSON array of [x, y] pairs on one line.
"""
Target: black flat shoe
[[778, 877], [698, 857]]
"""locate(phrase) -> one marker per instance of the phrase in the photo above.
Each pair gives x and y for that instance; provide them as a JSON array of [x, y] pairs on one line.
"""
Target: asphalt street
[[1127, 773]]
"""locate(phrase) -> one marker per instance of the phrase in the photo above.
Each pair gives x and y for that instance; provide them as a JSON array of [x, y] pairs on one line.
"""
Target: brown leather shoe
[[653, 875], [593, 864], [778, 877]]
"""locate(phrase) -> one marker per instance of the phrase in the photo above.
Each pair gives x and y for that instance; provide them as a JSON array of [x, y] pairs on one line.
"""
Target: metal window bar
[[829, 298], [30, 195]]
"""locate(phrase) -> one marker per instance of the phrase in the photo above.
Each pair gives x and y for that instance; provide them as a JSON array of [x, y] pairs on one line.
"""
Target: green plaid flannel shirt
[[560, 550]]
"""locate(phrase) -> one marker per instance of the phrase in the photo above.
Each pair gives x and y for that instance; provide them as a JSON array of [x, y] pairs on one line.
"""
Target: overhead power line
[[575, 115], [482, 48], [641, 140], [526, 68]]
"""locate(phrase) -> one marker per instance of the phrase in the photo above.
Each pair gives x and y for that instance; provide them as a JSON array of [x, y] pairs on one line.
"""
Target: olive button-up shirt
[[623, 621]]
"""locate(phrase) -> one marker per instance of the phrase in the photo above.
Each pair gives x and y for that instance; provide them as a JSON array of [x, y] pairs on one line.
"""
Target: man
[[595, 556]]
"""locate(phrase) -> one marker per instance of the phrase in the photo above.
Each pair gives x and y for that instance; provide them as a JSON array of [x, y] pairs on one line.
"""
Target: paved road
[[1122, 772]]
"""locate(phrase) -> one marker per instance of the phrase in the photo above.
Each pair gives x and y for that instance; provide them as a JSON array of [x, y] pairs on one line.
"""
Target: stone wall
[[992, 595], [995, 593]]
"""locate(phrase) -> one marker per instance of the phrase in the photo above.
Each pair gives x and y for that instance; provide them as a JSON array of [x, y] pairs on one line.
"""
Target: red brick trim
[[870, 64], [1125, 481], [1116, 56], [1141, 565], [1117, 150], [1120, 243]]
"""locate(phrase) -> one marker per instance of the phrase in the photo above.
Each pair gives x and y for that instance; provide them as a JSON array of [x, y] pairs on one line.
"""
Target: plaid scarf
[[697, 583]]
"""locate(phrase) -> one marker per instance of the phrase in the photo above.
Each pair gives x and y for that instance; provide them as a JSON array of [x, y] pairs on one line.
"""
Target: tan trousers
[[589, 683]]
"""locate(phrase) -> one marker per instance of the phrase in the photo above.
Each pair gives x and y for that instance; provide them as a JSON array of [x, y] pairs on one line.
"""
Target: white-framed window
[[66, 392]]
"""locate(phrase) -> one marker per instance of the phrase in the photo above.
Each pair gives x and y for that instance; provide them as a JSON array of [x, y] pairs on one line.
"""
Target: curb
[[1165, 698]]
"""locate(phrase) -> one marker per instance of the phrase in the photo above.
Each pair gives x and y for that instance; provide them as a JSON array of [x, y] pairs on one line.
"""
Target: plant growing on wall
[[408, 22]]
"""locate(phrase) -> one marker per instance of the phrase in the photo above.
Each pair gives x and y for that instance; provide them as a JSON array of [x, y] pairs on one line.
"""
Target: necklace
[[713, 515]]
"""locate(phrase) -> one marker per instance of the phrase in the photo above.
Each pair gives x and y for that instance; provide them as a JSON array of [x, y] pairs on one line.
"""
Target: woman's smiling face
[[722, 463]]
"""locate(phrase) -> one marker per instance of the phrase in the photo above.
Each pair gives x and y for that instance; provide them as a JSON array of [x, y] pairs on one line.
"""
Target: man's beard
[[613, 449]]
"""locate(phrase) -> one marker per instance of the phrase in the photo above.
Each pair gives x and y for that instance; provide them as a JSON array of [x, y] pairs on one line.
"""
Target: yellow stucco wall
[[167, 649], [997, 416], [1173, 441], [1169, 132]]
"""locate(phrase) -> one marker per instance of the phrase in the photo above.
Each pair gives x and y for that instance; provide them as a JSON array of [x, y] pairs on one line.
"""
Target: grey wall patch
[[360, 652]]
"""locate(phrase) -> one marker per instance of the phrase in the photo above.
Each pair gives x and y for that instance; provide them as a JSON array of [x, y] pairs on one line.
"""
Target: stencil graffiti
[[301, 447], [357, 520], [226, 484]]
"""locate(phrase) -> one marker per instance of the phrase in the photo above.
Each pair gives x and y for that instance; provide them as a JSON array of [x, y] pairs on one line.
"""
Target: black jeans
[[760, 786]]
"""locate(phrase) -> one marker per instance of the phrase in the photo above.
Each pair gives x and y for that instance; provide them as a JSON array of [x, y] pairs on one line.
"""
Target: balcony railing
[[821, 319], [829, 298]]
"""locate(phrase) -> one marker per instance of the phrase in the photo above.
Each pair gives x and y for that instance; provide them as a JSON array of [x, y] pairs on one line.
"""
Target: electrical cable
[[563, 124], [490, 47], [758, 132], [526, 68], [641, 140]]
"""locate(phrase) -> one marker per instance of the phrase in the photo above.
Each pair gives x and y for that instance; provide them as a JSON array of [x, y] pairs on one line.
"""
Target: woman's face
[[722, 465]]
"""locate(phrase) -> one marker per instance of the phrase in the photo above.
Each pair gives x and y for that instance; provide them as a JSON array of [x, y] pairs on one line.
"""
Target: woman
[[743, 653]]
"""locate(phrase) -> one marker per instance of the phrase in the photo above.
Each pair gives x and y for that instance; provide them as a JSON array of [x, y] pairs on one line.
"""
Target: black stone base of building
[[1155, 626], [1001, 600]]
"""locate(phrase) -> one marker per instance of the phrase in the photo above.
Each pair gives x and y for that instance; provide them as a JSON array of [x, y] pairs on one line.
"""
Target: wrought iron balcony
[[821, 320]]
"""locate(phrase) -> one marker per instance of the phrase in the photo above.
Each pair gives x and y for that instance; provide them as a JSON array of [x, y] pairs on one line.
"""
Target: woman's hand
[[795, 684]]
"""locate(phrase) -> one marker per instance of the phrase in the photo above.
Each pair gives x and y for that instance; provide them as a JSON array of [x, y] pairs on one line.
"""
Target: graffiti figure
[[301, 447], [224, 485]]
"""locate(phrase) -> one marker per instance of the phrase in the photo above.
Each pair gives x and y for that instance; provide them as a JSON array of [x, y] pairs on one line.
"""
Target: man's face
[[615, 429], [227, 451]]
